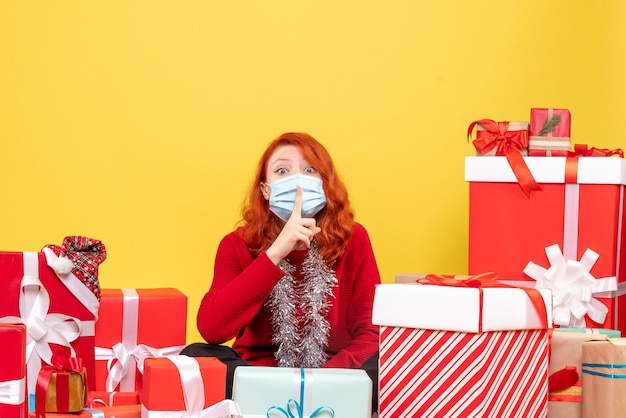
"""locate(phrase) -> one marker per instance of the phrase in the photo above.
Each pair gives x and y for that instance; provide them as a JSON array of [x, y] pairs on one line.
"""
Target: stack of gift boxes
[[70, 349], [545, 215]]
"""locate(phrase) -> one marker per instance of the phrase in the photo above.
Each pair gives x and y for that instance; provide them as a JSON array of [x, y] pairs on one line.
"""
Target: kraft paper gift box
[[133, 326], [98, 398], [183, 386], [566, 350], [604, 378], [13, 397], [122, 411], [509, 139], [567, 237], [444, 353], [58, 307], [549, 132], [495, 138], [302, 392]]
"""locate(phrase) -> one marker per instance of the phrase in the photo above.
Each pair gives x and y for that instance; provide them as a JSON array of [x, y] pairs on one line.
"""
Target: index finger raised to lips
[[297, 206]]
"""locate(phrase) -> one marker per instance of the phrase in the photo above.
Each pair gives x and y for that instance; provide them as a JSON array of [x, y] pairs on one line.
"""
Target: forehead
[[286, 154]]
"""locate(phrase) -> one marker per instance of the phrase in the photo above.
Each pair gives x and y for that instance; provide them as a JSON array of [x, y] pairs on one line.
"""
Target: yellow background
[[140, 122]]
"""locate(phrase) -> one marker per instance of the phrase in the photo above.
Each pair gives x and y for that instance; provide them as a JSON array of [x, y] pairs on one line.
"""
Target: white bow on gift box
[[573, 287]]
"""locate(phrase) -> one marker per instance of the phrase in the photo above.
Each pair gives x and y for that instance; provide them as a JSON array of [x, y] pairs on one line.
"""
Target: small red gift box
[[13, 399], [58, 306], [549, 132], [569, 235], [130, 329], [164, 390]]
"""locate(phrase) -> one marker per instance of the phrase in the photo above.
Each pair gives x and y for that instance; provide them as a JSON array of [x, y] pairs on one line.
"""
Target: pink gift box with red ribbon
[[134, 326], [58, 309], [567, 237], [462, 351], [13, 394], [549, 132]]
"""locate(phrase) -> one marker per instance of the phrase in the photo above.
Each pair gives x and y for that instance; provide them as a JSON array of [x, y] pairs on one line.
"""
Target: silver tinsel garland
[[302, 339]]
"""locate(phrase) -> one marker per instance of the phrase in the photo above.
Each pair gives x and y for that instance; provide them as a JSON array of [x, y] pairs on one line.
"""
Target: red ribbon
[[62, 366], [562, 379], [583, 150], [508, 143], [488, 280]]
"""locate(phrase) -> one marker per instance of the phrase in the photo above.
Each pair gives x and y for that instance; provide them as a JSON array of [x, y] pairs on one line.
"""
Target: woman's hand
[[297, 232]]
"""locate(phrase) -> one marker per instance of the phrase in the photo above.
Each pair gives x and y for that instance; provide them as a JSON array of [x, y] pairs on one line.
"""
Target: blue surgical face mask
[[283, 196]]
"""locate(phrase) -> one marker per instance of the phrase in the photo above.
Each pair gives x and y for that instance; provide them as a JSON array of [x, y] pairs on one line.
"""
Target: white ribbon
[[573, 287], [12, 392], [193, 394], [122, 359], [42, 328], [126, 355]]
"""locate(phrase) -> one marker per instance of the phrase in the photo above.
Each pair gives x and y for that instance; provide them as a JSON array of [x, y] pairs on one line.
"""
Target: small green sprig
[[549, 124]]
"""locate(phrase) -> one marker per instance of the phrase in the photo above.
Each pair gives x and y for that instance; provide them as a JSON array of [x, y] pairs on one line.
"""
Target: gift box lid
[[457, 308], [611, 333], [591, 170]]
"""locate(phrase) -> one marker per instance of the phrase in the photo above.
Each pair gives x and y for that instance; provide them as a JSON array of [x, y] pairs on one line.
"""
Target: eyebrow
[[281, 161]]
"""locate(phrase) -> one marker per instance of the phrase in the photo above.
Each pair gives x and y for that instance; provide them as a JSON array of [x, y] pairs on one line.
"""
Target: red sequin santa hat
[[81, 256]]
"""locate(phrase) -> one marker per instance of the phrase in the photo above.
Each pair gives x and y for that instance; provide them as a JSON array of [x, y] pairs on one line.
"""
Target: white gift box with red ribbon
[[461, 351]]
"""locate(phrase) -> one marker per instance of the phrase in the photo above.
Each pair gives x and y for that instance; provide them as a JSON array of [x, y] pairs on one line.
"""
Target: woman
[[294, 285]]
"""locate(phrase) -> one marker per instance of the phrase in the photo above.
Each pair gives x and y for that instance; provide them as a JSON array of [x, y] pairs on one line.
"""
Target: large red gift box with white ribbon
[[13, 397], [567, 237], [461, 351], [136, 324], [58, 310]]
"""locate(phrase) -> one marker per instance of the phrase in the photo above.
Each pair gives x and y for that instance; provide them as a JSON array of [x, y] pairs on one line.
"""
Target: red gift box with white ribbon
[[57, 308], [567, 237], [462, 351], [134, 326], [13, 398], [182, 386]]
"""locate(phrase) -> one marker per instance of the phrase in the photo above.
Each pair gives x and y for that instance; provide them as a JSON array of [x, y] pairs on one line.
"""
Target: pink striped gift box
[[461, 351]]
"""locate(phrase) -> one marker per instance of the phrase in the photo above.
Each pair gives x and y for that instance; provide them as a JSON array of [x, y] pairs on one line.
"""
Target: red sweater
[[234, 306]]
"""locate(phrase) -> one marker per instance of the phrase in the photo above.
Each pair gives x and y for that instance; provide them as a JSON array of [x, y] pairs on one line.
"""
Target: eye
[[281, 170], [309, 170]]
